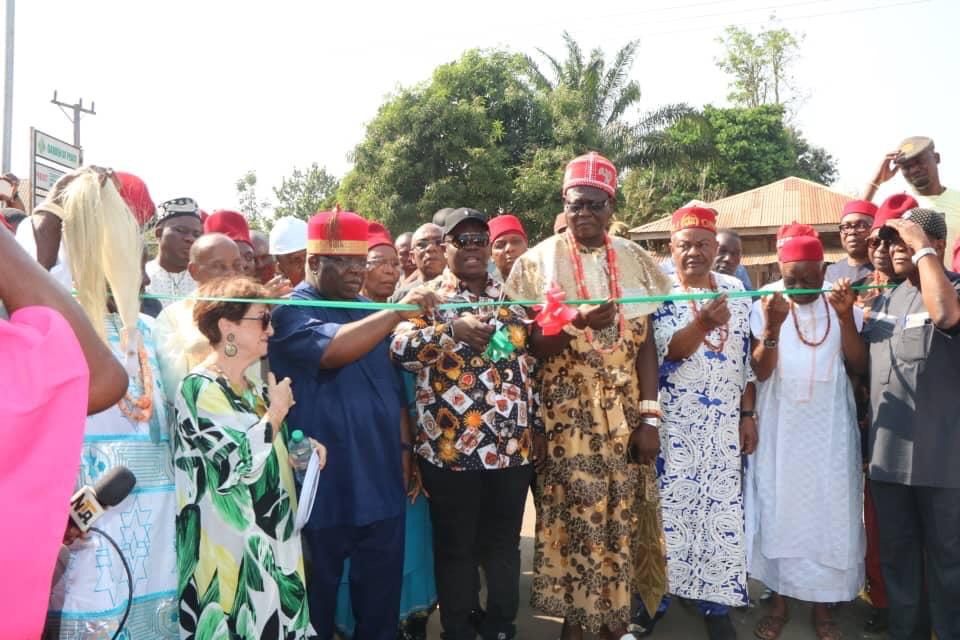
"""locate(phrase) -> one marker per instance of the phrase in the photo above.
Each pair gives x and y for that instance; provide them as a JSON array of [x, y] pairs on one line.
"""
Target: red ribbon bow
[[554, 315]]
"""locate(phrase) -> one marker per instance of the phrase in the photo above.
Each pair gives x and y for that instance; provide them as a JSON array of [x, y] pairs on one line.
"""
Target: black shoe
[[878, 621], [477, 616], [720, 628], [642, 625]]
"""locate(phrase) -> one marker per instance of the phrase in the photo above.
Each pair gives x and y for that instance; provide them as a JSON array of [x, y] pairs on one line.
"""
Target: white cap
[[288, 235]]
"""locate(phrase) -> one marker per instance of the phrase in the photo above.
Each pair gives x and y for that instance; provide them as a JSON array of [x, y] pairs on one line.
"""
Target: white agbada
[[804, 488]]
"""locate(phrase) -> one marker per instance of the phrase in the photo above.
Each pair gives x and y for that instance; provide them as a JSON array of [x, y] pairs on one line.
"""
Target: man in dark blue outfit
[[350, 397]]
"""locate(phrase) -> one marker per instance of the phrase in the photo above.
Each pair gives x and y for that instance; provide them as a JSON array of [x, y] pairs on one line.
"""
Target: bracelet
[[748, 413], [874, 185], [650, 408], [651, 421], [926, 251]]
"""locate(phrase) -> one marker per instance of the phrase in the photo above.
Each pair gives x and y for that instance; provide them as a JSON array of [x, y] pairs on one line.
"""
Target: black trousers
[[920, 538], [476, 517]]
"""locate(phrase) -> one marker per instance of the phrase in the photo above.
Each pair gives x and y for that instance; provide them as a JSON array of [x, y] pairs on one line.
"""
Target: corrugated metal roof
[[778, 203]]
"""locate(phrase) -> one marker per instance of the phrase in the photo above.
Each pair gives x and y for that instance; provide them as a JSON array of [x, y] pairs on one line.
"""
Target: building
[[757, 215]]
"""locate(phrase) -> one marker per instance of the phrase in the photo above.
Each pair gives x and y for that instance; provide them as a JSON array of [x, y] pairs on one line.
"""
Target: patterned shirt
[[162, 282], [473, 413]]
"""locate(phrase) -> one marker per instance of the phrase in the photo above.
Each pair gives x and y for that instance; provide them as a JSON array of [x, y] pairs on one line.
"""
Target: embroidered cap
[[337, 233], [694, 218], [591, 170]]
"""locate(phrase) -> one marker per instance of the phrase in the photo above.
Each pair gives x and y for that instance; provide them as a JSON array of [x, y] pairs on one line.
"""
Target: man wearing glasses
[[855, 223], [478, 432], [427, 248], [350, 397]]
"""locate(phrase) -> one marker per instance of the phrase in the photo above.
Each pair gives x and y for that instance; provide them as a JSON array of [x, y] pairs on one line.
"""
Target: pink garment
[[44, 383], [955, 263]]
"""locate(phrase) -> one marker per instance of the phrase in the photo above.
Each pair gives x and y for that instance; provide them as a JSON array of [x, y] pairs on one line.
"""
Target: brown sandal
[[827, 630], [770, 627]]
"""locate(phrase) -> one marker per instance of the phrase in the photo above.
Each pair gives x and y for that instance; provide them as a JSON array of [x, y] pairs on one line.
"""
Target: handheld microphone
[[88, 504]]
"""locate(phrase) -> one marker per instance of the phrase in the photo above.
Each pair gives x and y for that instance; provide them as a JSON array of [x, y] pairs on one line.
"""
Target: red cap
[[800, 248], [337, 233], [203, 215], [134, 192], [794, 230], [505, 224], [230, 223], [694, 218], [377, 235], [864, 207], [893, 207], [591, 170]]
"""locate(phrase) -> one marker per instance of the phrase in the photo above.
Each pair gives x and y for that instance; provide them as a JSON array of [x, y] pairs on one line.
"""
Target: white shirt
[[162, 282]]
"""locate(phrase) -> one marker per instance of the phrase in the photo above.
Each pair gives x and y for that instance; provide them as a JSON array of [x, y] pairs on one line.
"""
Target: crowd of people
[[804, 439]]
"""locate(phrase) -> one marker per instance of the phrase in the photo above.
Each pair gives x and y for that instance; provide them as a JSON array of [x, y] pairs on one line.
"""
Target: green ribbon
[[500, 345], [395, 306]]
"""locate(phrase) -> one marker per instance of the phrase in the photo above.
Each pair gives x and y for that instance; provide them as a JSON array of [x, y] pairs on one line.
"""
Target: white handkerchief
[[311, 481]]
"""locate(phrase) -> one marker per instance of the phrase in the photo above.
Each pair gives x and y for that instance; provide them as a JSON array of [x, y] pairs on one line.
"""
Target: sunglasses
[[577, 207], [264, 319], [470, 239]]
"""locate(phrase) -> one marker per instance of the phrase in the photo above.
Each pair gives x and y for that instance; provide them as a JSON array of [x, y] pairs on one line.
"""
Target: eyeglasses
[[347, 263], [264, 319], [853, 227], [376, 264], [470, 239], [687, 247], [592, 207], [423, 245]]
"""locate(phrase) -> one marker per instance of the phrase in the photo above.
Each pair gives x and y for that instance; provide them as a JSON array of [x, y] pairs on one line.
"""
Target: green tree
[[748, 148], [759, 65], [453, 141], [251, 206], [305, 192]]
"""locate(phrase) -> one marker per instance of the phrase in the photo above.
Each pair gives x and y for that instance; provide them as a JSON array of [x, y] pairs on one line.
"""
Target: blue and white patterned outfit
[[90, 598], [699, 466]]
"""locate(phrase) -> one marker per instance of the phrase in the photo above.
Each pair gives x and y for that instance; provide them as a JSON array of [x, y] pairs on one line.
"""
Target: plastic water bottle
[[300, 452]]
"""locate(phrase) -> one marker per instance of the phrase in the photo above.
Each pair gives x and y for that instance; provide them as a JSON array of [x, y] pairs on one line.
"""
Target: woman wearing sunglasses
[[239, 558]]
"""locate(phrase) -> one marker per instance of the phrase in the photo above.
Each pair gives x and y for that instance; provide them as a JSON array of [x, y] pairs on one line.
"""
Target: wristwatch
[[748, 414], [770, 343], [926, 251]]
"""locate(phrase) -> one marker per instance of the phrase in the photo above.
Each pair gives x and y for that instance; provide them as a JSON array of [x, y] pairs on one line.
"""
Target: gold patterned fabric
[[599, 534]]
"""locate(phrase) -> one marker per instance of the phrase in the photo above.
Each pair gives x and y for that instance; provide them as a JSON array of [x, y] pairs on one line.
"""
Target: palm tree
[[598, 98]]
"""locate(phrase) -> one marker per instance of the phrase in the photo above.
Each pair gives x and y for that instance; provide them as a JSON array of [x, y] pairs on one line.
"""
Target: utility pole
[[8, 85], [77, 108]]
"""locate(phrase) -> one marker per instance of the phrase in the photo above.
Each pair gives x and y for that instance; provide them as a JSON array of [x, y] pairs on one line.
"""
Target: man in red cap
[[913, 441], [804, 528], [707, 394], [350, 397], [234, 226], [600, 376], [508, 241], [855, 223]]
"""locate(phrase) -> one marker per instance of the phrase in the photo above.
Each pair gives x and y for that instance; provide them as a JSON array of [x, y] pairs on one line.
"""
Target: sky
[[191, 95]]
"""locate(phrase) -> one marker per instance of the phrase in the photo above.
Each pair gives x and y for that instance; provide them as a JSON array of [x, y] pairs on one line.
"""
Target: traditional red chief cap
[[134, 192], [893, 207], [591, 170], [794, 230], [229, 223], [337, 233], [694, 218], [505, 224], [864, 207], [800, 249], [377, 235]]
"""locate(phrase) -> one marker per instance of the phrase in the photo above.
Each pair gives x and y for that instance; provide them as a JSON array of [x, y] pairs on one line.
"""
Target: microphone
[[88, 504]]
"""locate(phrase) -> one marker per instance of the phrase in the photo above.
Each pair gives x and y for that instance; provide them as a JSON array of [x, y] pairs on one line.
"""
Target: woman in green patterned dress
[[239, 558]]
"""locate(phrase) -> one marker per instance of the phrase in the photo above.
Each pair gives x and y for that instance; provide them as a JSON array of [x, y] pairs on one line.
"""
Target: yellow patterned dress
[[599, 537]]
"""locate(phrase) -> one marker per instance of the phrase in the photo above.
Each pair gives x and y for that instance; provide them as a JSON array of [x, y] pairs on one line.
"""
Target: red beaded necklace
[[796, 324], [723, 329], [613, 283]]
